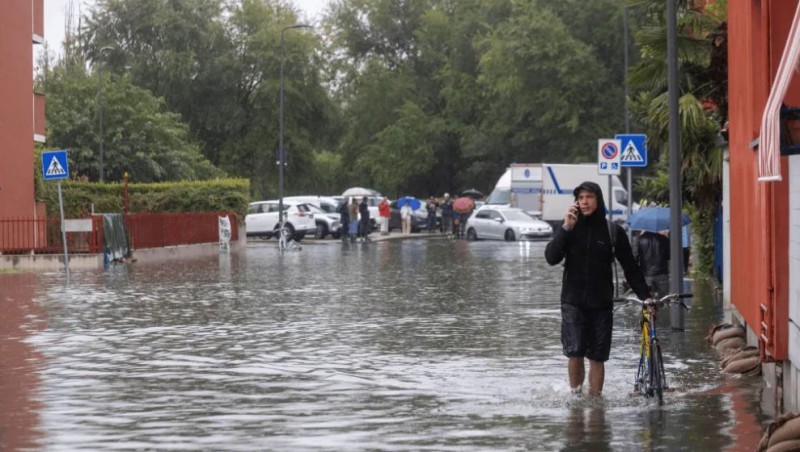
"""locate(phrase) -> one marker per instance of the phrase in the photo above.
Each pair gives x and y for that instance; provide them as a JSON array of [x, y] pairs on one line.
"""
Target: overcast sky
[[55, 10]]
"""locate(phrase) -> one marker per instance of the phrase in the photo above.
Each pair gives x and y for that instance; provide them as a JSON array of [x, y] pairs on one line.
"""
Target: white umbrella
[[360, 191]]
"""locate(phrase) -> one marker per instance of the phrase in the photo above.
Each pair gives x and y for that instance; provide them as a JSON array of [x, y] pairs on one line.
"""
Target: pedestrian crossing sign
[[634, 149], [55, 165]]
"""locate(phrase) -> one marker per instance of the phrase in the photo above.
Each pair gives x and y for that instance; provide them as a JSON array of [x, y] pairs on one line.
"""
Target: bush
[[82, 198]]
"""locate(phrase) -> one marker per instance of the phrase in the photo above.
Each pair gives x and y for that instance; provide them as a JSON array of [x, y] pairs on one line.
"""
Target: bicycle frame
[[651, 379], [646, 383]]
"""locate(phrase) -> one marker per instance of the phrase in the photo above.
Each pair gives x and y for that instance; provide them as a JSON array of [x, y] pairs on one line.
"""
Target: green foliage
[[81, 198], [140, 137], [703, 101]]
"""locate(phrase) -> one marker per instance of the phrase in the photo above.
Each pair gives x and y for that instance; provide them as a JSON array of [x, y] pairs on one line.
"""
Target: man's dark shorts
[[586, 332]]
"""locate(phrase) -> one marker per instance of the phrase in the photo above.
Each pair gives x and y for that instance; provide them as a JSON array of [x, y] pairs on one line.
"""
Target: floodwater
[[400, 345]]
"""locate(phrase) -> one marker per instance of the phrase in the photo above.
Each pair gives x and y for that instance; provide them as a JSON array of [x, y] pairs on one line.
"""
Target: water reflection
[[19, 383], [441, 345]]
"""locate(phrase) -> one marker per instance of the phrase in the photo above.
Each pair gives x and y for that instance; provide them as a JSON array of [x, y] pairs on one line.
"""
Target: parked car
[[506, 223], [263, 221], [328, 220]]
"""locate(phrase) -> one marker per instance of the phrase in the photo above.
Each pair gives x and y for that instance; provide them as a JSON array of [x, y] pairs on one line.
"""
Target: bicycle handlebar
[[665, 300]]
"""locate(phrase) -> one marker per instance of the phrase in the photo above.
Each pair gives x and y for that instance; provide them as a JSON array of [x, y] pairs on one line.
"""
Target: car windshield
[[517, 215]]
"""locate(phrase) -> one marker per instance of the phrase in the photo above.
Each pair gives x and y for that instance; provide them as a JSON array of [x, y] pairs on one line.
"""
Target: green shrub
[[82, 198]]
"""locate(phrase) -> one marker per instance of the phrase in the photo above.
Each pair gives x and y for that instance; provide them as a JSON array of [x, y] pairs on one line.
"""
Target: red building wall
[[16, 108], [757, 32]]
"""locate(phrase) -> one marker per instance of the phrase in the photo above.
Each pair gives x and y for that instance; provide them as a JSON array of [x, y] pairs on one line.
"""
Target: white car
[[262, 219], [328, 220], [506, 223]]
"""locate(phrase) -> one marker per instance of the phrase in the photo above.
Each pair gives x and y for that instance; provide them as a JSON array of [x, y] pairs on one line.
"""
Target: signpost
[[634, 155], [608, 162], [56, 167]]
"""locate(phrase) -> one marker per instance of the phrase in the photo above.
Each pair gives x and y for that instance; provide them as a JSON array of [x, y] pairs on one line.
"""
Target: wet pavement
[[394, 345]]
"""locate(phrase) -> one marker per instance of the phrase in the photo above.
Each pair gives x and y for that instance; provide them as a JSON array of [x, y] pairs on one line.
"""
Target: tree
[[141, 137], [703, 101]]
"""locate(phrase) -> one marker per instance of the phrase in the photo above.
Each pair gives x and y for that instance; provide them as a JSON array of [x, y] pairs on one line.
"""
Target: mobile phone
[[578, 212]]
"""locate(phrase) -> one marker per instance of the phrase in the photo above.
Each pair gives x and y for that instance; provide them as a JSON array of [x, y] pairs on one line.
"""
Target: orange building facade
[[763, 283], [21, 109]]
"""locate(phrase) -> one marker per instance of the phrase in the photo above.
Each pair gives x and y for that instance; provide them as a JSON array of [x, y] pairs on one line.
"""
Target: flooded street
[[397, 345]]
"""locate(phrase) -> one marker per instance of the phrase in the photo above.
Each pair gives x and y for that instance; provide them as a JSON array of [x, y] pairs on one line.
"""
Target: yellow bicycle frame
[[645, 343]]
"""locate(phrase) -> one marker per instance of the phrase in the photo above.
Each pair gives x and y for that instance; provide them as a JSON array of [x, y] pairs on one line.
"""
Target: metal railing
[[153, 230], [43, 236], [145, 230]]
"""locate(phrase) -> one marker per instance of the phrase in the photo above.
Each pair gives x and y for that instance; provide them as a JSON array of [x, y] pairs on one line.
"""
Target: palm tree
[[702, 59]]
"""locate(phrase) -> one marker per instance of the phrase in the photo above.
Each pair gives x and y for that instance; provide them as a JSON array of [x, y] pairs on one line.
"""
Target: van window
[[255, 208], [499, 196]]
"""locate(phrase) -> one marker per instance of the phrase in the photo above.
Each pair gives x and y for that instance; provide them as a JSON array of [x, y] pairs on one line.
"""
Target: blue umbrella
[[410, 200], [653, 219]]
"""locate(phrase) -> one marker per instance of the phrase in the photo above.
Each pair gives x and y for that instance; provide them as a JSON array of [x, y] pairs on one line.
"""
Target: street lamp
[[281, 153], [100, 107]]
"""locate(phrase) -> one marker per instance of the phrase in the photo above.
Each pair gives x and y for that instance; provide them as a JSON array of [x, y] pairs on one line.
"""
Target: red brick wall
[[16, 108]]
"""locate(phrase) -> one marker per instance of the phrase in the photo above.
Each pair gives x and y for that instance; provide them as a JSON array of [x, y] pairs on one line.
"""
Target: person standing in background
[[363, 211], [384, 212], [651, 251], [431, 208], [405, 218], [686, 241], [447, 214], [353, 211]]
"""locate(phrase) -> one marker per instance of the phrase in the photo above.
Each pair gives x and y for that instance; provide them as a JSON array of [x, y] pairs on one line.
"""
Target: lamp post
[[281, 152], [100, 108]]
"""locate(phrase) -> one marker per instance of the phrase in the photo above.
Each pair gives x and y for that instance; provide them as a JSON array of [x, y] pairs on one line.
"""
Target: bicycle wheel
[[656, 372]]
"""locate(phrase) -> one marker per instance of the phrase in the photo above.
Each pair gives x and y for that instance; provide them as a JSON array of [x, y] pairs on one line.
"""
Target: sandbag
[[741, 366], [729, 343], [770, 439], [726, 333], [790, 430], [786, 446], [714, 328], [736, 354]]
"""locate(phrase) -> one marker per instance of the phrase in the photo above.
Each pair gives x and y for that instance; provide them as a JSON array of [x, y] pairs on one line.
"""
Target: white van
[[546, 189]]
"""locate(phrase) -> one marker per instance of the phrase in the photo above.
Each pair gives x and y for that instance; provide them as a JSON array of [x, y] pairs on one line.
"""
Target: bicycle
[[651, 380]]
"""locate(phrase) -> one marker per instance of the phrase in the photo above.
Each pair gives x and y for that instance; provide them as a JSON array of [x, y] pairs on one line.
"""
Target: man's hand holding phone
[[571, 217]]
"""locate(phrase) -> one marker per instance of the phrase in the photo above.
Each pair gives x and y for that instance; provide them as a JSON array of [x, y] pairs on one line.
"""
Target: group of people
[[354, 217], [452, 222]]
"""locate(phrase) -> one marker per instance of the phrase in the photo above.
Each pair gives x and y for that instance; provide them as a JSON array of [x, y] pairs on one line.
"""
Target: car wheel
[[510, 236], [299, 236], [472, 235], [321, 232], [264, 236]]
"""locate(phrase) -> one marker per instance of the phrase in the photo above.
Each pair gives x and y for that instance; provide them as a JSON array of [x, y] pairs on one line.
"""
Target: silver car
[[506, 223]]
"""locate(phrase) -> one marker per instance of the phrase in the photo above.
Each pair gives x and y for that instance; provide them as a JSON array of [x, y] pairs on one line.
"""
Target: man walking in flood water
[[585, 243]]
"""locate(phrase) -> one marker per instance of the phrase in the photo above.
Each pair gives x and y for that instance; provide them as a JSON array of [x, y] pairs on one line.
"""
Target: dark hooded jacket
[[586, 251], [651, 251]]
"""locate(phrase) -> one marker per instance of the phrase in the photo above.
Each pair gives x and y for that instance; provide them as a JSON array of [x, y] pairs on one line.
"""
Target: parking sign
[[608, 156]]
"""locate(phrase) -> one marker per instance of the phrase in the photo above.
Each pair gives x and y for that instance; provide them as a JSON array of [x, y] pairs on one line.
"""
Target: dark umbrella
[[472, 193], [653, 219]]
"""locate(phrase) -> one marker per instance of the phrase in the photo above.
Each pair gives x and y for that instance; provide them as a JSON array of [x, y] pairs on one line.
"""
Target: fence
[[43, 236], [153, 230], [145, 230]]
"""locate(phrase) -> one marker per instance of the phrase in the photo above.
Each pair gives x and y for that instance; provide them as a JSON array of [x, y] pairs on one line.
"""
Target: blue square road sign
[[634, 149], [55, 165]]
